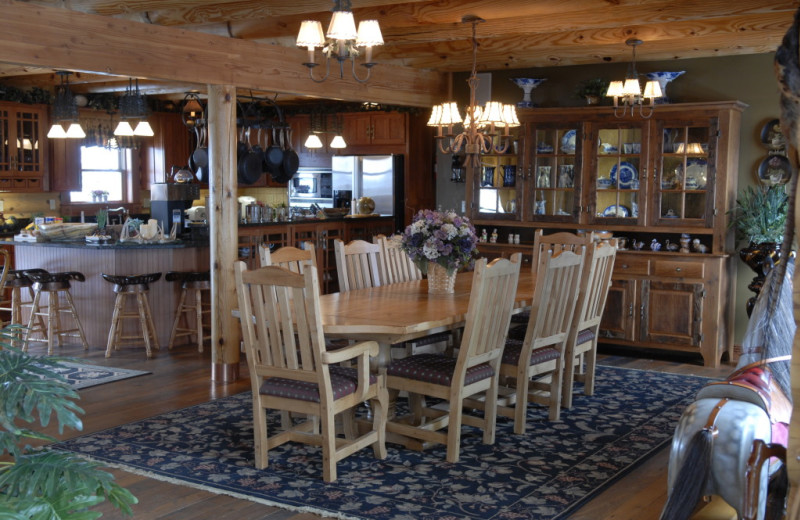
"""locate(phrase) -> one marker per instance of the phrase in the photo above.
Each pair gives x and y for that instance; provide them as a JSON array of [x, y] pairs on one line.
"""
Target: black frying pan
[[291, 161], [273, 156]]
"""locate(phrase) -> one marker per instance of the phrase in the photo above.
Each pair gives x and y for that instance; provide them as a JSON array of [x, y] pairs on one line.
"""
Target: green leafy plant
[[760, 214], [35, 481], [596, 87]]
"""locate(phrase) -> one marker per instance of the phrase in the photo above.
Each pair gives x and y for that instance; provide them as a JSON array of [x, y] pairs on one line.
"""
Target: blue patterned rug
[[546, 474], [80, 375]]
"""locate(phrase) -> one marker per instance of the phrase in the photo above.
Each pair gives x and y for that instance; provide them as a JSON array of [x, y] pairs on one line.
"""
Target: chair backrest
[[281, 324], [292, 258], [595, 282], [6, 259], [396, 265], [357, 264], [554, 299], [557, 242], [494, 288]]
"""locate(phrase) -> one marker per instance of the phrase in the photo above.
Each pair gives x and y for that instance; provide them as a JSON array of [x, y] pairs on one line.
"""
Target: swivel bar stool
[[190, 281], [54, 285], [136, 287]]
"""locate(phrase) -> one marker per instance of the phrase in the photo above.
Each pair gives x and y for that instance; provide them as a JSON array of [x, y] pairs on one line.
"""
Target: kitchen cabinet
[[24, 151], [374, 128], [171, 145], [648, 181], [65, 160]]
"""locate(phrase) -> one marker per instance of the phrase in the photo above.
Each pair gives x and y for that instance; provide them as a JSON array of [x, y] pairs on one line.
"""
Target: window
[[102, 169]]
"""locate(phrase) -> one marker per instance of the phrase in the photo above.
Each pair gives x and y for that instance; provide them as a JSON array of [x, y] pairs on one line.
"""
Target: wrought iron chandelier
[[133, 107], [343, 42], [629, 91], [481, 124], [65, 110]]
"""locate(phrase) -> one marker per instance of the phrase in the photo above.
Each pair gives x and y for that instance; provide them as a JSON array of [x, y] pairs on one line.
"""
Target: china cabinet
[[652, 182], [23, 147]]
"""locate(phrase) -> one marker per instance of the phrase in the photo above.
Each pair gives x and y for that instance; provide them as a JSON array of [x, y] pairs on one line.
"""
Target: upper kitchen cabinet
[[23, 147], [374, 129], [300, 127], [171, 145]]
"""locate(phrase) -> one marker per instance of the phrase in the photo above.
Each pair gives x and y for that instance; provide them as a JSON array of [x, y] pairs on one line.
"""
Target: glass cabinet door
[[498, 184], [28, 157], [555, 174], [684, 185], [5, 141], [618, 174]]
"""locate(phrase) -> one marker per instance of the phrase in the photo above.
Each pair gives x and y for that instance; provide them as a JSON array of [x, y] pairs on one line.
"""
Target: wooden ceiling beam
[[90, 43]]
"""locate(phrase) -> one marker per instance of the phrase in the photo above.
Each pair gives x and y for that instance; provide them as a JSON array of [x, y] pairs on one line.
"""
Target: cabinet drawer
[[677, 269], [626, 265]]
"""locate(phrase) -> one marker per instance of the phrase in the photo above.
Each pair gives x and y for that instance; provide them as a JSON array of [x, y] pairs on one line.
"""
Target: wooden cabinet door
[[673, 313], [357, 128], [65, 174], [171, 145], [388, 128], [621, 316], [24, 150]]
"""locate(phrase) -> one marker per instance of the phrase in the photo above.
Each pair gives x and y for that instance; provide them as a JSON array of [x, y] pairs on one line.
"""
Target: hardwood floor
[[181, 378]]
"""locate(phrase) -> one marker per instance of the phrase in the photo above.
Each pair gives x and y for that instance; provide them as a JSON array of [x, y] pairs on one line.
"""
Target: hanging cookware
[[291, 161], [200, 154], [273, 157], [250, 166]]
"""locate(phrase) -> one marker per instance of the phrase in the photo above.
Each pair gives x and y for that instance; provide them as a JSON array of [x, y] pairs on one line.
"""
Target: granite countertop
[[110, 245], [314, 219]]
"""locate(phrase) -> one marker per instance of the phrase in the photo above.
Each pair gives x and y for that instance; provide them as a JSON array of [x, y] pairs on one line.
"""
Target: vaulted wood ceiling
[[430, 34]]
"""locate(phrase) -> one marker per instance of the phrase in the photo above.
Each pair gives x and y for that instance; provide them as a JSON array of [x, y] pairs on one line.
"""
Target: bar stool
[[135, 286], [50, 326], [16, 281], [190, 281]]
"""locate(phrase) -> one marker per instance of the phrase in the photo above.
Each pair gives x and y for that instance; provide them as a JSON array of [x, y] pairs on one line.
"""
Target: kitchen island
[[94, 298]]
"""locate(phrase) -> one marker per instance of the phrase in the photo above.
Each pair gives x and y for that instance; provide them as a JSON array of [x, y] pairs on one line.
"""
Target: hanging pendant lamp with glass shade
[[133, 107], [65, 110]]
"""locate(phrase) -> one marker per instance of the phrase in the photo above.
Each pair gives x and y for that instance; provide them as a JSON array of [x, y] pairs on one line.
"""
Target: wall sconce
[[630, 92], [65, 109]]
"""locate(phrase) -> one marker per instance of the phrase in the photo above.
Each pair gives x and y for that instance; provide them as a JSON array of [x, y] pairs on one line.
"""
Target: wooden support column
[[225, 331]]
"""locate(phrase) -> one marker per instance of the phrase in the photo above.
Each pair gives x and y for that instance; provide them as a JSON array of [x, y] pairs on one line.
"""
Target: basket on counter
[[65, 231]]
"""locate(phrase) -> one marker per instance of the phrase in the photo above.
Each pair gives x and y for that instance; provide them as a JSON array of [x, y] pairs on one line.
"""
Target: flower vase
[[439, 281]]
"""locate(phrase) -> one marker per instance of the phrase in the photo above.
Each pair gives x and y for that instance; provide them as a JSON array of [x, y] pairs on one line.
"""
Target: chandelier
[[133, 107], [65, 110], [343, 41], [629, 91], [480, 124]]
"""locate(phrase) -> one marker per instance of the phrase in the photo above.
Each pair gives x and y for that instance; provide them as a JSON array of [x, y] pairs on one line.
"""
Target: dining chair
[[357, 264], [581, 346], [290, 369], [396, 266], [292, 258], [474, 371], [531, 369]]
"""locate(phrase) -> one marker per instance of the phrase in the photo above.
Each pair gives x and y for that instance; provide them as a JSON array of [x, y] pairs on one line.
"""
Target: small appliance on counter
[[311, 186], [168, 201]]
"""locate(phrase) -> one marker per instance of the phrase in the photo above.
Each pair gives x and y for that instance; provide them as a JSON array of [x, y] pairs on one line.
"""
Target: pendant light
[[65, 110]]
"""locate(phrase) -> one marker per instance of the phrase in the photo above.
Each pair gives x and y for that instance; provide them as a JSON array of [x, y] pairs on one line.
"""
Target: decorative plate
[[568, 142], [616, 211], [696, 176], [775, 169], [627, 174]]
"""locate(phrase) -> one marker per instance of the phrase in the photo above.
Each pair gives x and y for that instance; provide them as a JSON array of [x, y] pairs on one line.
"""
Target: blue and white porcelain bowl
[[663, 78]]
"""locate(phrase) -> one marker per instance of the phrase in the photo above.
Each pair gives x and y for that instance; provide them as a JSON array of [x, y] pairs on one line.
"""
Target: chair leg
[[150, 324], [75, 317], [454, 431], [570, 368], [176, 323], [591, 366], [379, 410], [53, 321], [555, 391], [521, 405], [119, 302], [328, 448], [198, 310], [261, 445], [34, 310], [140, 305]]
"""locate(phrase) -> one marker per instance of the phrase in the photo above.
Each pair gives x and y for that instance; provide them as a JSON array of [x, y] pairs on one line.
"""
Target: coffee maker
[[342, 198], [168, 201]]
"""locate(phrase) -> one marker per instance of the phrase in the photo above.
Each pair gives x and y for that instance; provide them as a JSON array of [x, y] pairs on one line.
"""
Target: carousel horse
[[730, 440]]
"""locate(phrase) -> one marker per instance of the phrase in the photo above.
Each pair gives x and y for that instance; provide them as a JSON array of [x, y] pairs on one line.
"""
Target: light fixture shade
[[342, 27], [450, 114], [652, 90], [338, 142], [476, 111], [75, 131], [143, 129], [369, 33], [632, 87], [614, 89], [124, 129], [492, 113], [436, 116], [310, 34], [694, 148], [509, 116], [313, 141], [57, 132]]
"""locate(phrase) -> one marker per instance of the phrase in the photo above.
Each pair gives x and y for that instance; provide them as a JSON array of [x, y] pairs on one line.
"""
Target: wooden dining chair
[[357, 264], [474, 371], [531, 369], [581, 346], [396, 266], [292, 258], [290, 369]]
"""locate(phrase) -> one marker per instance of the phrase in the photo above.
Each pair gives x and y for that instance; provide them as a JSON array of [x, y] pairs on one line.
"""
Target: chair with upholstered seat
[[581, 346], [290, 369], [532, 368], [357, 264], [473, 372]]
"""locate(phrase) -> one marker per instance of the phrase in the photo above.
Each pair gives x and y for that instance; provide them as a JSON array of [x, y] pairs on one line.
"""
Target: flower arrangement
[[444, 238]]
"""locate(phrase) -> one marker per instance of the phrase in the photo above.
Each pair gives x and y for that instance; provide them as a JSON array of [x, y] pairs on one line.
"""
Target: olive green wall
[[750, 79]]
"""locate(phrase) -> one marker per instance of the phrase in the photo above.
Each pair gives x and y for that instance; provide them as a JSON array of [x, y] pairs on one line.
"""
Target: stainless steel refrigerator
[[376, 176]]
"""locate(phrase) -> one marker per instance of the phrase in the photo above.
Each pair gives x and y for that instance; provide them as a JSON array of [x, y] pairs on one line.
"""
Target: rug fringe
[[216, 491]]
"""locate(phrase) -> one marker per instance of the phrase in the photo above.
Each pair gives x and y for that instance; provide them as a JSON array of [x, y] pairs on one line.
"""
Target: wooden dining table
[[399, 312]]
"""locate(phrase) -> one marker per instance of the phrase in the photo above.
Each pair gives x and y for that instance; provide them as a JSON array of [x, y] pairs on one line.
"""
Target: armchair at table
[[473, 372], [290, 369]]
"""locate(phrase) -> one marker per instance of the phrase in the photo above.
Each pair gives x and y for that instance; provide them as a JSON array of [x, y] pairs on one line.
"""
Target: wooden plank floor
[[181, 378]]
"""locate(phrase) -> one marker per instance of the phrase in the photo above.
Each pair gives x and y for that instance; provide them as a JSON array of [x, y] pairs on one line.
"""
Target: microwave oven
[[311, 185]]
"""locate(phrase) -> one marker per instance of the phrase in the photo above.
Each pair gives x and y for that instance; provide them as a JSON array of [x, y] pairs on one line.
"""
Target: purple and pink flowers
[[444, 238]]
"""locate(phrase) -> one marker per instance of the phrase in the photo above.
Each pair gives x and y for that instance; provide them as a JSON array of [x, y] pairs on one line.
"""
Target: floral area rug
[[545, 474], [81, 376]]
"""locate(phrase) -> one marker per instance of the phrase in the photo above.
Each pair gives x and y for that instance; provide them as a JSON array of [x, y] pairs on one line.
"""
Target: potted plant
[[592, 90], [759, 218], [37, 482]]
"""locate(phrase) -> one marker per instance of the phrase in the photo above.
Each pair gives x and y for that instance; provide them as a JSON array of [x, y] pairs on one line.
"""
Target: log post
[[225, 331]]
